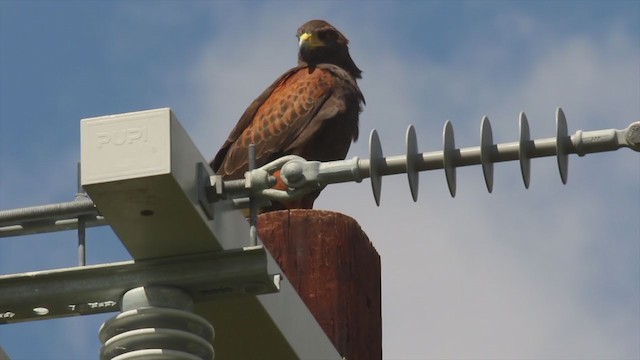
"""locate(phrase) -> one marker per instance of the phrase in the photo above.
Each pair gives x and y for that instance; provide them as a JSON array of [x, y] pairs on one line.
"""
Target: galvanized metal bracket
[[203, 183], [96, 289]]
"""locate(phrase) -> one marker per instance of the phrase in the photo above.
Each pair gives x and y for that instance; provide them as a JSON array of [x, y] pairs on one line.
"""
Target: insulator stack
[[156, 324], [489, 153]]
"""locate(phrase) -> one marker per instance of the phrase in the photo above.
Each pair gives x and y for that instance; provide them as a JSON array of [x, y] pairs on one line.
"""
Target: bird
[[312, 110]]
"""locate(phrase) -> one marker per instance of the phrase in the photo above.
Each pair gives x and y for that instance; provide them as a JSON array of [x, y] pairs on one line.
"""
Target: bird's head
[[321, 43]]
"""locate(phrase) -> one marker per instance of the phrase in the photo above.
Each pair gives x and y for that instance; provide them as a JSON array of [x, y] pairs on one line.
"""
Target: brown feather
[[311, 110]]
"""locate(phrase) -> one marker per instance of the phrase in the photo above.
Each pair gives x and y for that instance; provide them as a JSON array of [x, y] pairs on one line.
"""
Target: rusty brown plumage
[[311, 110]]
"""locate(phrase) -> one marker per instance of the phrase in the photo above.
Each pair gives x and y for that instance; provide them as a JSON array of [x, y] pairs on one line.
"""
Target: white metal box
[[140, 170]]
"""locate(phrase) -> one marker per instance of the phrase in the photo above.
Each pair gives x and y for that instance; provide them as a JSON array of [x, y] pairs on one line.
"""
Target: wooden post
[[336, 271]]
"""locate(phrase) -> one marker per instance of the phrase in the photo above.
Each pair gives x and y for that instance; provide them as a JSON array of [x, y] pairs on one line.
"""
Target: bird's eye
[[326, 35]]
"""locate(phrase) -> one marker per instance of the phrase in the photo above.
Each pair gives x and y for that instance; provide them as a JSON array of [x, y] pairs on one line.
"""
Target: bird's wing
[[284, 116], [245, 120]]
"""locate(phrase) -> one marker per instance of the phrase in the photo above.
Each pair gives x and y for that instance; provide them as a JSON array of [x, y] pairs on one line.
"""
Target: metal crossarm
[[94, 289]]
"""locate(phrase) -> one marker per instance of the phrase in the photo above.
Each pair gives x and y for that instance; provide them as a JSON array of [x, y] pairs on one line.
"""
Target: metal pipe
[[38, 227], [253, 205], [50, 218], [50, 212], [82, 254], [81, 195]]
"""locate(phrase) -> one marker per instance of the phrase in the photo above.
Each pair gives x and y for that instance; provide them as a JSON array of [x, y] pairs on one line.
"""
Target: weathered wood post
[[336, 271]]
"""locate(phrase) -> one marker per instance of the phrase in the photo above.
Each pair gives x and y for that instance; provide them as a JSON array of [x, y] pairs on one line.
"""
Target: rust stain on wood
[[335, 269]]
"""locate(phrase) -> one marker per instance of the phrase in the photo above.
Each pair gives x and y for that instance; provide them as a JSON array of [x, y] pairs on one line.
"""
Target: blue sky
[[552, 272]]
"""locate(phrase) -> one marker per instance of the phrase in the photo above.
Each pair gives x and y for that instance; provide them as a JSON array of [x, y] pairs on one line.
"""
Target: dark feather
[[313, 127], [311, 110]]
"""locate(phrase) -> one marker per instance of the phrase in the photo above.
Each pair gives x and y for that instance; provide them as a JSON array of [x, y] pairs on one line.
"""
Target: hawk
[[311, 111]]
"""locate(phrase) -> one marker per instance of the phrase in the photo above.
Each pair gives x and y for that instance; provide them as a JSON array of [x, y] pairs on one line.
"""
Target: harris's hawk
[[311, 110]]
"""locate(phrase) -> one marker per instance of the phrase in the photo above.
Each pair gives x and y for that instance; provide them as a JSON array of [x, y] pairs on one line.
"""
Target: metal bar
[[81, 195], [98, 288], [50, 212], [253, 205], [82, 255], [38, 227]]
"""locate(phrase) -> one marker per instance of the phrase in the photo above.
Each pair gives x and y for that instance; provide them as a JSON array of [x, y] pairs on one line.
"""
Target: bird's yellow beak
[[308, 40]]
